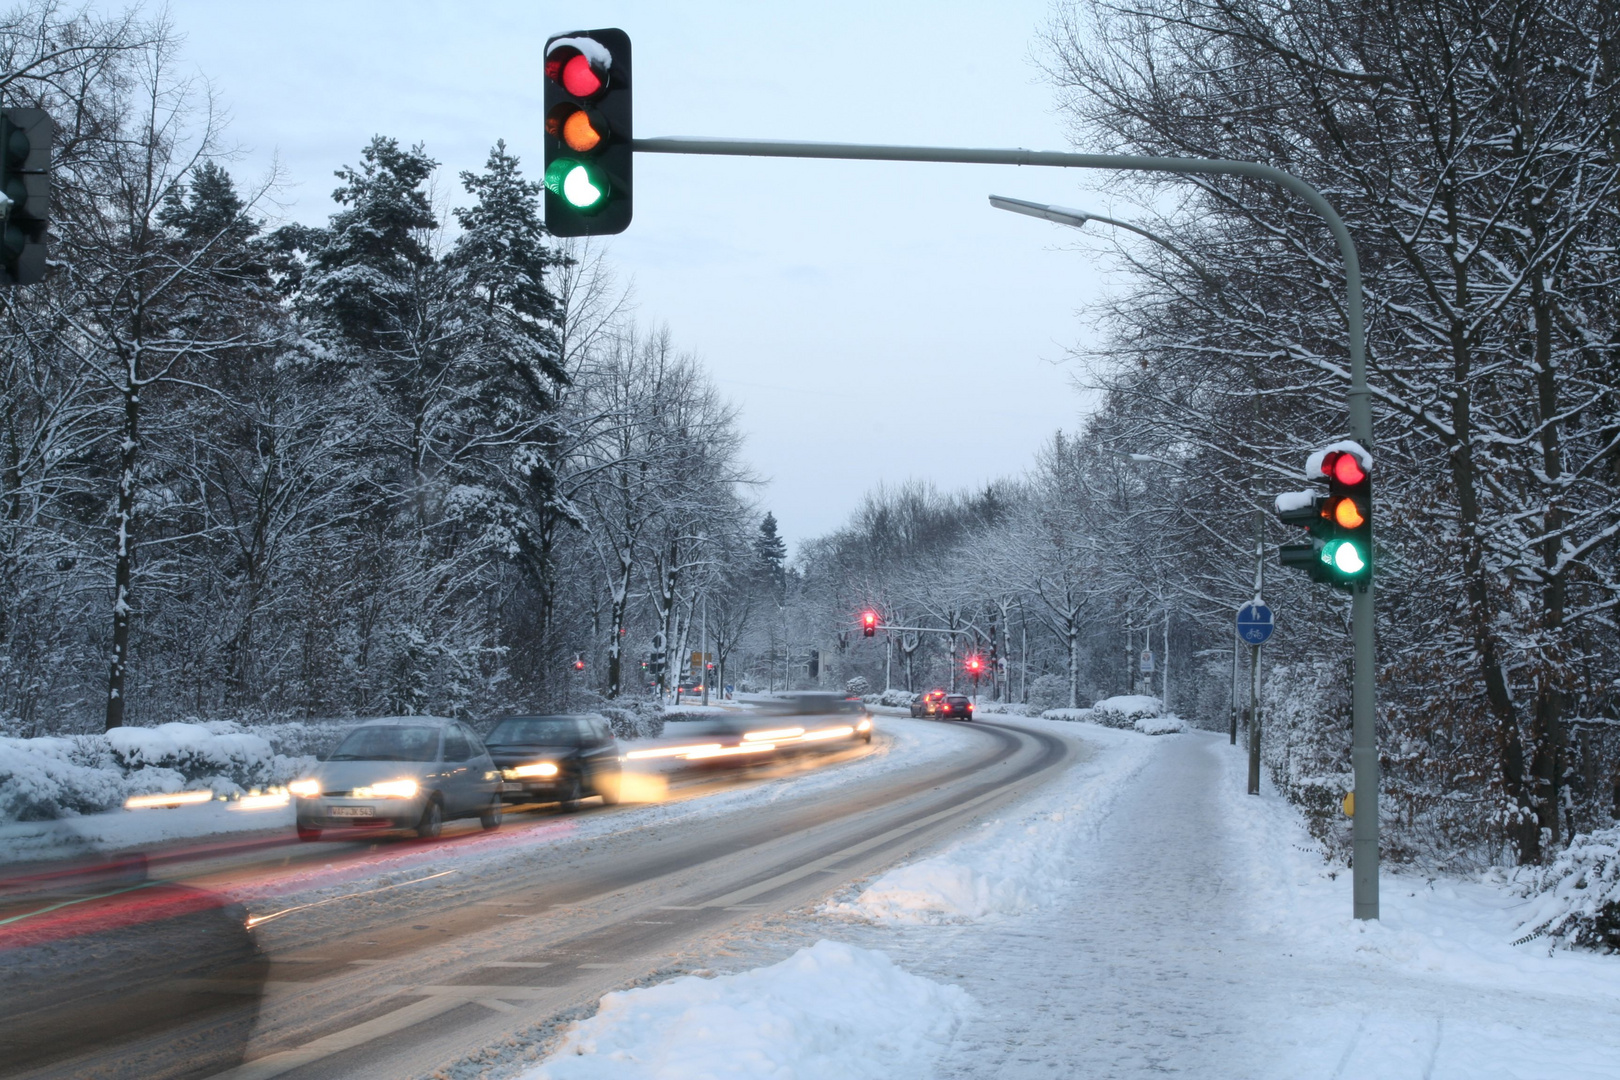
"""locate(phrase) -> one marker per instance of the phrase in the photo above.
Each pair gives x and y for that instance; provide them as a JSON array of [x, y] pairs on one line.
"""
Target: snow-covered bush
[[1048, 692], [49, 778], [1073, 716], [1580, 893], [1160, 725], [1005, 708], [894, 699], [641, 720], [195, 751], [1125, 710], [858, 686]]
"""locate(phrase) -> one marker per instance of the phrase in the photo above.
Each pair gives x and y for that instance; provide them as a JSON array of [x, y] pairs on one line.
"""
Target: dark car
[[927, 704], [955, 707], [560, 759]]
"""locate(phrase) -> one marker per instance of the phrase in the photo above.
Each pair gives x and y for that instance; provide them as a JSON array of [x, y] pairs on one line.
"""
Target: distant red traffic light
[[869, 624]]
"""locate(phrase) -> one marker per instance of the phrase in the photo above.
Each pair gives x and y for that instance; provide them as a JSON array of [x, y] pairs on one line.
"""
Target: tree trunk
[[124, 564]]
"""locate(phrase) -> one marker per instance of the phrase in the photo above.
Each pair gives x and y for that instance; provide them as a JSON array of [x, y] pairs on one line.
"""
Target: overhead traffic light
[[868, 623], [1340, 522], [25, 163], [587, 133]]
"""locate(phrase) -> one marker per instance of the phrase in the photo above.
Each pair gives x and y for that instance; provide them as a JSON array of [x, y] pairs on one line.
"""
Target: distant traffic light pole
[[1364, 753]]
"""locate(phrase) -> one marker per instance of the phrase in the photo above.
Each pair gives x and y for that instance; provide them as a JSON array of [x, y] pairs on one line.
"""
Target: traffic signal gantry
[[565, 218], [588, 159], [1339, 551], [25, 180]]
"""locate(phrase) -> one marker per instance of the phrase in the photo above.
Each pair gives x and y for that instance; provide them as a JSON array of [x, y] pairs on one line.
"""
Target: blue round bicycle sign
[[1254, 623]]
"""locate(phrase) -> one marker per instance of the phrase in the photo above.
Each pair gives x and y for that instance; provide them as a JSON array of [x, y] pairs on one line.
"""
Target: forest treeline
[[1473, 148], [417, 459]]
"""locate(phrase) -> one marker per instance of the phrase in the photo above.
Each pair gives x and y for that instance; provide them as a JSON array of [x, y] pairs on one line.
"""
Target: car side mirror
[[321, 756]]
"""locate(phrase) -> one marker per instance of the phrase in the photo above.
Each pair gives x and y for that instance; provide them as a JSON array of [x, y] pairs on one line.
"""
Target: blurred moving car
[[927, 704], [784, 725], [955, 707], [560, 759], [403, 772]]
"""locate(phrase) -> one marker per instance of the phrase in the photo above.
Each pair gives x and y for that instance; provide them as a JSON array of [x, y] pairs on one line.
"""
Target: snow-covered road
[[1137, 916]]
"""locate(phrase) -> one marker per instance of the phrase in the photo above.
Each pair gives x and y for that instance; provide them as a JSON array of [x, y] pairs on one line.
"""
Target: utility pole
[[1364, 752], [1254, 658], [705, 637], [1233, 709], [1165, 679]]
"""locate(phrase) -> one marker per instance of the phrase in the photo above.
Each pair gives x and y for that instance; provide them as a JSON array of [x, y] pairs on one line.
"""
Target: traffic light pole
[[1364, 751]]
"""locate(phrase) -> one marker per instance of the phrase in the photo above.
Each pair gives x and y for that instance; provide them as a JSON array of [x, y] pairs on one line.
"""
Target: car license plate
[[509, 786], [353, 811]]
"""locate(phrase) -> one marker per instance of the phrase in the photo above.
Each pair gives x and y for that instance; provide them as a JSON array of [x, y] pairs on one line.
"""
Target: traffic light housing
[[587, 133], [579, 662], [868, 623], [25, 178], [975, 667], [1339, 551]]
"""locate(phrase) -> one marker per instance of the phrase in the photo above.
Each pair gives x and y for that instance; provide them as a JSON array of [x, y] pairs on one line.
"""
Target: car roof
[[404, 721]]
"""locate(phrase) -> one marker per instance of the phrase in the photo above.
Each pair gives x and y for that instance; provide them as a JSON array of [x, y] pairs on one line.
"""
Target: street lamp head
[[1062, 215]]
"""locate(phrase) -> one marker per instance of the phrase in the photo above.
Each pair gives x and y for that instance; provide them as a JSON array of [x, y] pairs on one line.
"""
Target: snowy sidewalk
[[1164, 956]]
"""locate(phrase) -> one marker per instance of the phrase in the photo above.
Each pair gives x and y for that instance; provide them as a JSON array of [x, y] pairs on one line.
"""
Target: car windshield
[[534, 731], [388, 743]]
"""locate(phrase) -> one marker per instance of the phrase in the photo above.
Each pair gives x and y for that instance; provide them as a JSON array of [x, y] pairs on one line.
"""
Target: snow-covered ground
[[1139, 916]]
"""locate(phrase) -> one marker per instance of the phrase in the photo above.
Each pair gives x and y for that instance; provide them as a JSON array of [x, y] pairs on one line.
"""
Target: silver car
[[403, 772]]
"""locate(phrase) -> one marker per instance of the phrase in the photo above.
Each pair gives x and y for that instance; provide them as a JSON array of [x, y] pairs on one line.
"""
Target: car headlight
[[388, 789], [534, 768], [305, 789], [864, 725]]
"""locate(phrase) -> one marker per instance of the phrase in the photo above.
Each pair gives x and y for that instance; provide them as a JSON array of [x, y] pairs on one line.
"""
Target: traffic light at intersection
[[587, 133], [1339, 551], [25, 162], [868, 623]]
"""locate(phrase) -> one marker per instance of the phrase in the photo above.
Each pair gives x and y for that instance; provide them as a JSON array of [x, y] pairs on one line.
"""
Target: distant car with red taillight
[[955, 707]]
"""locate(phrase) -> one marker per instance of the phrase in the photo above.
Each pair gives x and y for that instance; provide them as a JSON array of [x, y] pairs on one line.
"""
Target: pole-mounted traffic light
[[587, 137], [579, 661], [868, 623], [1340, 522], [25, 180]]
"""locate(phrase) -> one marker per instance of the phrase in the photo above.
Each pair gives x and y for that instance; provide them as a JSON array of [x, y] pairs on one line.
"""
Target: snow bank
[[1160, 725], [1013, 865], [832, 1010], [1435, 926], [894, 699], [1070, 716]]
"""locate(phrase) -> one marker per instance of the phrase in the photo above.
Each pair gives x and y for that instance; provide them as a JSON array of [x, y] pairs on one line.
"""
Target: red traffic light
[[868, 623], [975, 665], [579, 65], [1343, 467]]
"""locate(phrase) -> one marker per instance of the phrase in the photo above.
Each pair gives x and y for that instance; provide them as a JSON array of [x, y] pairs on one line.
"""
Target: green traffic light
[[580, 185], [1344, 557]]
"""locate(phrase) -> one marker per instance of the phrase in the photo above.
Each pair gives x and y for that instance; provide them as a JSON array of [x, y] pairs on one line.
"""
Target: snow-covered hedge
[[641, 720], [894, 699], [1160, 725], [1073, 716], [1580, 893], [1005, 708], [48, 778], [1125, 710], [858, 686]]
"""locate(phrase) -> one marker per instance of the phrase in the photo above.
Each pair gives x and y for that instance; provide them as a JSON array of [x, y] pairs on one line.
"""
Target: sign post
[[1254, 627]]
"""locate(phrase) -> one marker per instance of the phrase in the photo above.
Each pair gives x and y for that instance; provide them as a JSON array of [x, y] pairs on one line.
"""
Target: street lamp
[[1064, 215]]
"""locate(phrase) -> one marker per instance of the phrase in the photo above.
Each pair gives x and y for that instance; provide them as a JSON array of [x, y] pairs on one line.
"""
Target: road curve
[[421, 966]]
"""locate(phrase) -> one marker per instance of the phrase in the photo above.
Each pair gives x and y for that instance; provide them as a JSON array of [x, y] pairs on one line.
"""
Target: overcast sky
[[873, 322]]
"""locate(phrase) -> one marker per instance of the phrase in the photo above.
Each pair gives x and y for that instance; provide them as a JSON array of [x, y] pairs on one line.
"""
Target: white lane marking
[[257, 920], [517, 963]]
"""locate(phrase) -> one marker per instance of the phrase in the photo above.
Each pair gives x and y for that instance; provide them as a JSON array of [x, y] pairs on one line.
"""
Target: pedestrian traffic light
[[1340, 522], [868, 623], [587, 133], [25, 180]]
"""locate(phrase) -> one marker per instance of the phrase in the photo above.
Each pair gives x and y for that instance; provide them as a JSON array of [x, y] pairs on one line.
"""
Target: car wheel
[[432, 819], [491, 818], [569, 801], [305, 832], [608, 785]]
